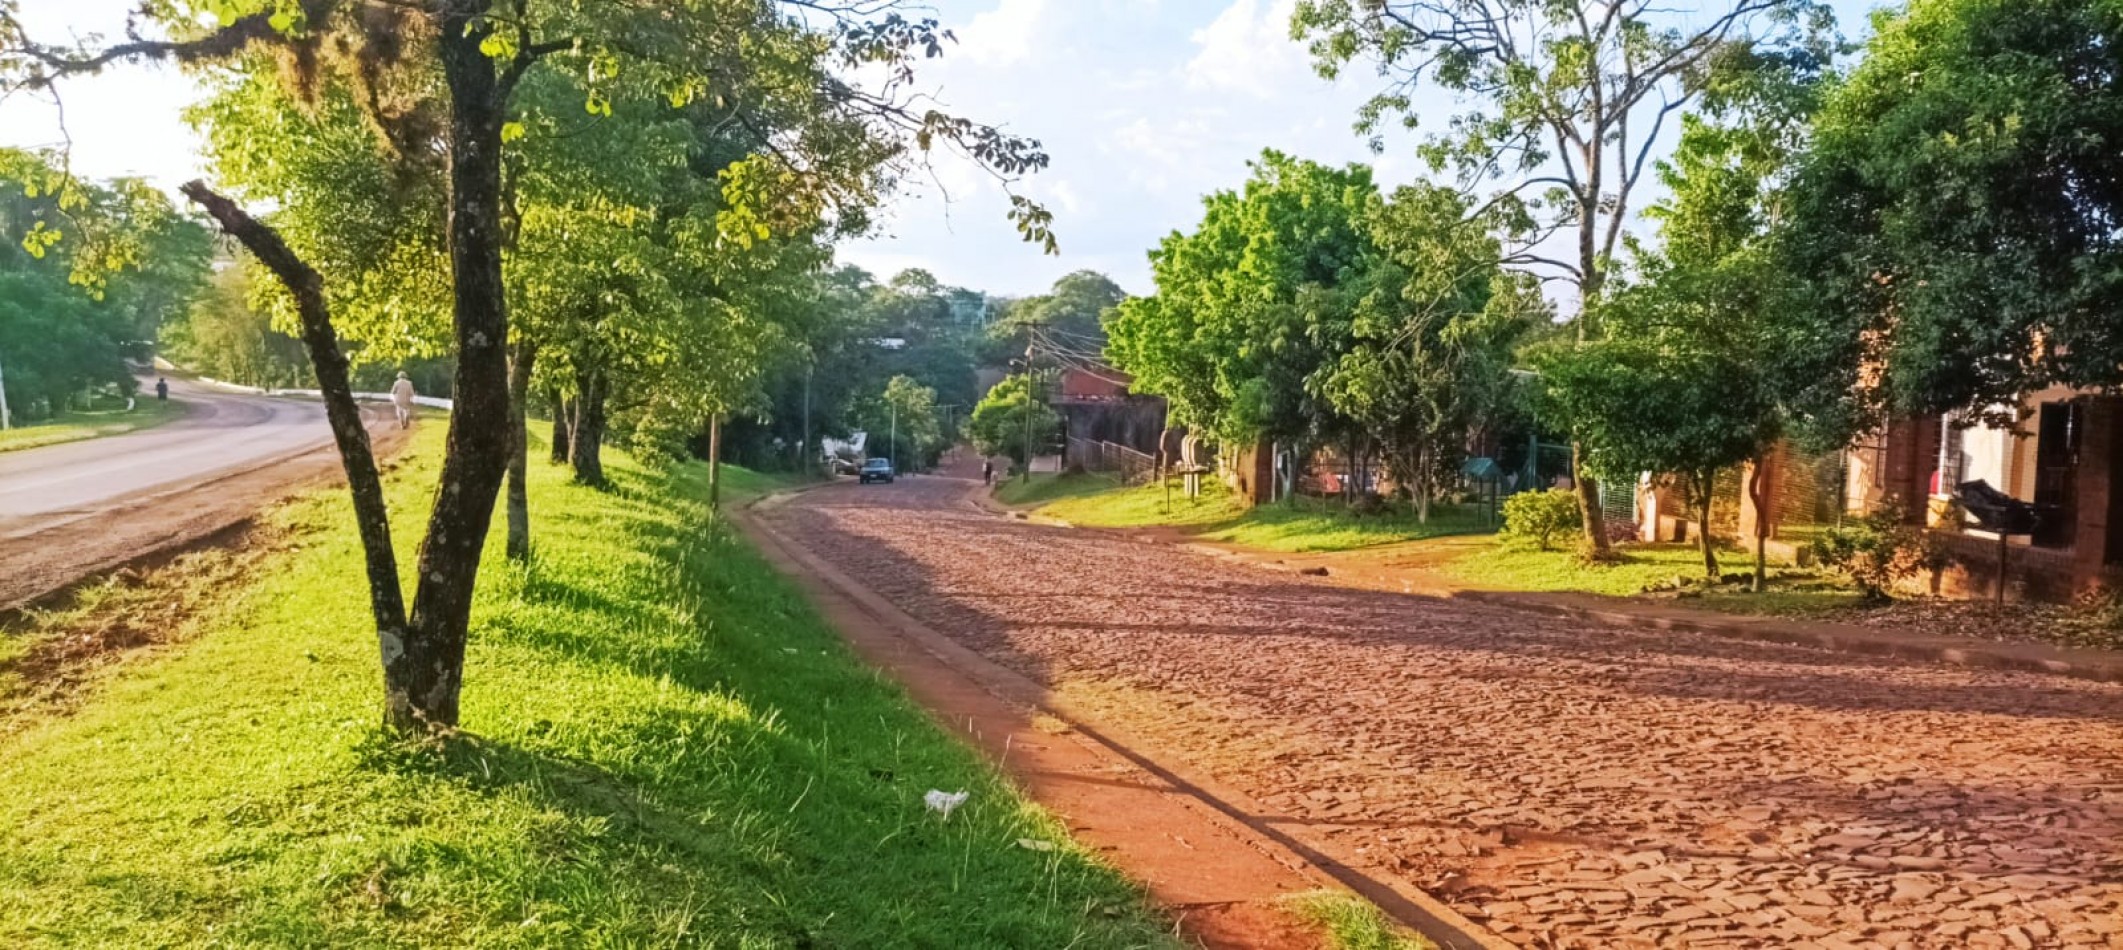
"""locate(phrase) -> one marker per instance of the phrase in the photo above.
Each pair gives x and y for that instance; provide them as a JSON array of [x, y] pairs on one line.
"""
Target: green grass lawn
[[1506, 567], [1302, 525], [665, 746], [88, 424], [1798, 595], [1046, 487]]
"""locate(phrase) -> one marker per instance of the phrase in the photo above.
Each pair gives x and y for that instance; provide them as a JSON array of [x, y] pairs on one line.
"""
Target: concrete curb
[[1234, 811]]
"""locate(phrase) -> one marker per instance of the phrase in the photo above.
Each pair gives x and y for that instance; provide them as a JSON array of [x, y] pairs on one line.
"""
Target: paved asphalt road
[[223, 433]]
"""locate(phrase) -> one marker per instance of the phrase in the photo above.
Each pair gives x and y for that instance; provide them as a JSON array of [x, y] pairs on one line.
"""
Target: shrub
[[1539, 517], [1879, 551]]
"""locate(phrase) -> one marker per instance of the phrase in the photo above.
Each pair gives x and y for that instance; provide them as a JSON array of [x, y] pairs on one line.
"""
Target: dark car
[[875, 470]]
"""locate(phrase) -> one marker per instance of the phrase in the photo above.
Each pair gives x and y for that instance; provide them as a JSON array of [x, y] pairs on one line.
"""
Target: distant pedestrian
[[162, 390], [987, 471], [402, 400]]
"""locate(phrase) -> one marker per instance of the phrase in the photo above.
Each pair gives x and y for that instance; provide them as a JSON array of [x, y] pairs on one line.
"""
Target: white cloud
[[1063, 194], [1248, 49], [1007, 35]]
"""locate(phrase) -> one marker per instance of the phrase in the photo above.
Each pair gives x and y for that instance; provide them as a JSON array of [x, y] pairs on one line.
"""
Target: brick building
[[2060, 453], [1108, 428]]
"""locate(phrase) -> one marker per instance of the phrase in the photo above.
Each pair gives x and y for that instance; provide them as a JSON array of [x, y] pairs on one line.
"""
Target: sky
[[1144, 105]]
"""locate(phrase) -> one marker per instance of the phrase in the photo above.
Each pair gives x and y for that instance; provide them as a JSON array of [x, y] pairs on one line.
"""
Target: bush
[[1879, 551], [1539, 517]]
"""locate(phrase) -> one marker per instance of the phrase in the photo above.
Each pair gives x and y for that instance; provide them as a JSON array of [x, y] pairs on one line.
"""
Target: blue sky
[[1145, 106]]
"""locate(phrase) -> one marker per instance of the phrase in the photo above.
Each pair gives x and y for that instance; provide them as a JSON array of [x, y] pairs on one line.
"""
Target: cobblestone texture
[[1567, 786]]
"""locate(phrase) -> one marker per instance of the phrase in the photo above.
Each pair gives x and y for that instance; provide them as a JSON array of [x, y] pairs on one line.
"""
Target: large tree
[[741, 55], [1567, 105], [1430, 338], [1234, 331], [1068, 319], [1953, 227]]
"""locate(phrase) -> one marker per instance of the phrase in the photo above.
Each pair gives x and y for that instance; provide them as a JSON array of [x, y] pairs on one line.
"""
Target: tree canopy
[[96, 269], [1310, 308], [1952, 229]]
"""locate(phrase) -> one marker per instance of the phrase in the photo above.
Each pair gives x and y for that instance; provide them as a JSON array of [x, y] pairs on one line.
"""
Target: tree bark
[[586, 443], [1588, 491], [1756, 491], [563, 427], [371, 516], [526, 356], [1710, 558], [422, 687], [715, 463], [1593, 278]]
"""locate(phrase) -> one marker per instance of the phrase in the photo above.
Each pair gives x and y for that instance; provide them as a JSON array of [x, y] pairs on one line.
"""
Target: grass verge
[[668, 747], [76, 426], [1301, 525], [1352, 923], [1504, 567], [1043, 488]]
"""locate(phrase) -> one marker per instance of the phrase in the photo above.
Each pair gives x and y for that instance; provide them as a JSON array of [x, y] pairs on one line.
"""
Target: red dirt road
[[1568, 786]]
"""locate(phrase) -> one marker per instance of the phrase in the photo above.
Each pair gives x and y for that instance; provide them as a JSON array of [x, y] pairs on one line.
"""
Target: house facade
[[2059, 451], [1107, 427]]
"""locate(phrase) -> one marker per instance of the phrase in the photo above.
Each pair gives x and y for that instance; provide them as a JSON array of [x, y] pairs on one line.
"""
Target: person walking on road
[[162, 390], [402, 400], [987, 471]]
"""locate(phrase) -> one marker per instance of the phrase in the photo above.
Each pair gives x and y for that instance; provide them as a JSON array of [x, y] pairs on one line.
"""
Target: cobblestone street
[[1565, 786]]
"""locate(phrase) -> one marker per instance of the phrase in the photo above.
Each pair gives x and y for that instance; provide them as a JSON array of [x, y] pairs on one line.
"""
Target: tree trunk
[[1756, 492], [421, 688], [1420, 482], [519, 452], [586, 443], [1593, 278], [1589, 504], [1702, 534], [372, 518], [563, 426], [715, 463]]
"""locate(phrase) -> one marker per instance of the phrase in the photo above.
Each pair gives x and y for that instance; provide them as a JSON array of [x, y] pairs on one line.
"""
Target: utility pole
[[803, 456], [1031, 401], [7, 420], [892, 448]]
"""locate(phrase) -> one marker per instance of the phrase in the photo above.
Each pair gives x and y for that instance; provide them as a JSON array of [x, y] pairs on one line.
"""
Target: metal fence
[[1133, 467]]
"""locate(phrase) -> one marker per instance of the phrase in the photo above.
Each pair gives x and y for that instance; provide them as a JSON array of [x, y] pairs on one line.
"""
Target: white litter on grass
[[944, 803], [1034, 844]]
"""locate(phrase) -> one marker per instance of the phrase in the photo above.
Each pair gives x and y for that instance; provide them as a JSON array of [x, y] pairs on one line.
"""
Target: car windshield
[[878, 463]]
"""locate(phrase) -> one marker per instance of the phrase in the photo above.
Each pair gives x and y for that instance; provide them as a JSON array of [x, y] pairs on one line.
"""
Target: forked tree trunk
[[519, 544], [422, 686], [586, 443], [372, 517]]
